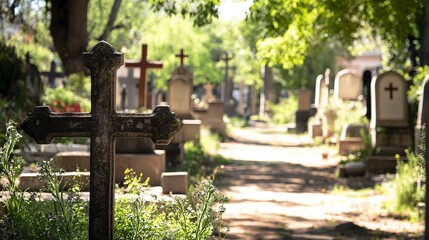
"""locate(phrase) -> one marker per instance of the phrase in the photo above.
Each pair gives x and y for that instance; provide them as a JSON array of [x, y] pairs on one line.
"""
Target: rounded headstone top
[[103, 47]]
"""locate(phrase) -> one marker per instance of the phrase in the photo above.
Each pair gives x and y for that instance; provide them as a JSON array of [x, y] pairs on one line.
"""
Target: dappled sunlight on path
[[280, 187]]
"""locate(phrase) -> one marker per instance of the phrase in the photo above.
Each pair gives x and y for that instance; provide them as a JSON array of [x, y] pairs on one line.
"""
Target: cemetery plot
[[103, 125]]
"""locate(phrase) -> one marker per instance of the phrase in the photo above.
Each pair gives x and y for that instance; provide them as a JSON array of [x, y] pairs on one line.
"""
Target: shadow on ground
[[285, 177]]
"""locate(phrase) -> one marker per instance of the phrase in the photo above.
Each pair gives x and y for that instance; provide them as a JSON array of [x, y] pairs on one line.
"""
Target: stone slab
[[134, 145], [315, 130], [150, 165], [191, 130], [381, 164], [175, 182], [350, 145], [32, 182]]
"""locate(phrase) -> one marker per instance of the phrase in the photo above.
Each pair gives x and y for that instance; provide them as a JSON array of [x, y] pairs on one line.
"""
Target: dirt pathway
[[279, 187]]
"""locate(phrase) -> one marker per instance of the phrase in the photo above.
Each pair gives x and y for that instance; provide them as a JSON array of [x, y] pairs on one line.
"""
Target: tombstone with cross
[[180, 89], [389, 126], [143, 64], [103, 125]]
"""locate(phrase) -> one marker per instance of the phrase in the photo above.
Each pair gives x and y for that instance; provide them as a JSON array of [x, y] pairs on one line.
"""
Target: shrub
[[284, 111]]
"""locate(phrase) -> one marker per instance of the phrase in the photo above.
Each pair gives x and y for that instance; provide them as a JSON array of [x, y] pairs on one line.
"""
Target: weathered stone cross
[[144, 64], [182, 56], [391, 89], [103, 124], [52, 74]]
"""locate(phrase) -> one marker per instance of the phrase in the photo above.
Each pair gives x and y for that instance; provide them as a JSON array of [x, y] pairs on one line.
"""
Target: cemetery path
[[280, 187]]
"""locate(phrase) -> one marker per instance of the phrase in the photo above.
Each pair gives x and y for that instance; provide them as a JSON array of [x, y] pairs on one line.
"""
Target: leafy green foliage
[[66, 215], [293, 27], [203, 11], [407, 188], [284, 111]]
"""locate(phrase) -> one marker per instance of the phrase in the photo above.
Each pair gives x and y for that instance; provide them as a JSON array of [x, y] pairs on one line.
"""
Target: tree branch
[[112, 17]]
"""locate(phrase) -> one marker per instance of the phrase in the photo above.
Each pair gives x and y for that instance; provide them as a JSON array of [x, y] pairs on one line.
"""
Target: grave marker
[[182, 56], [103, 124], [127, 77], [144, 64], [52, 75], [389, 105], [348, 85]]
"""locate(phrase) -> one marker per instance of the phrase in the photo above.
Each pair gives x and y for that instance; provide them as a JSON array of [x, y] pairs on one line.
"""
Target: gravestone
[[367, 76], [389, 129], [348, 85], [130, 78], [321, 95], [53, 75], [303, 112], [180, 88], [143, 64], [422, 115], [208, 93], [103, 124]]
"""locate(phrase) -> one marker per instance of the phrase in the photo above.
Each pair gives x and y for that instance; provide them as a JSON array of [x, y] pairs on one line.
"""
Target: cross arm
[[161, 125], [43, 125]]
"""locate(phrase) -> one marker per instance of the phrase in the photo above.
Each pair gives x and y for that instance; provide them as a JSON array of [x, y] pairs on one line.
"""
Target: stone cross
[[227, 91], [144, 64], [103, 124], [391, 89], [52, 74], [182, 56]]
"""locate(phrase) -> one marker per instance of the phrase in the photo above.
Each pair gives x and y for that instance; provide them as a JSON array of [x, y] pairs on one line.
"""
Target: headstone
[[208, 96], [102, 125], [130, 78], [242, 104], [144, 64], [389, 101], [348, 85], [390, 133], [180, 88], [303, 113], [53, 75]]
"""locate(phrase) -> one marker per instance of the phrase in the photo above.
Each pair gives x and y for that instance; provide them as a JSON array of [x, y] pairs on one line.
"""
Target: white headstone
[[389, 101], [321, 93], [180, 88], [348, 85], [128, 78]]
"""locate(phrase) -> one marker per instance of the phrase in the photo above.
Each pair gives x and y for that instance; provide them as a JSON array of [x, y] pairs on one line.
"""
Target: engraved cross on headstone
[[103, 124], [391, 89], [144, 64], [182, 56]]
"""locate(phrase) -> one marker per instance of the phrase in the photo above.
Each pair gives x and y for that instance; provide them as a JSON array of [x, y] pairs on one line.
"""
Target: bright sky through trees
[[233, 9]]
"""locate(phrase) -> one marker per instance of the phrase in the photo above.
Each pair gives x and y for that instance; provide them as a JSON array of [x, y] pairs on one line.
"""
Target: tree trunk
[[68, 30], [424, 38]]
